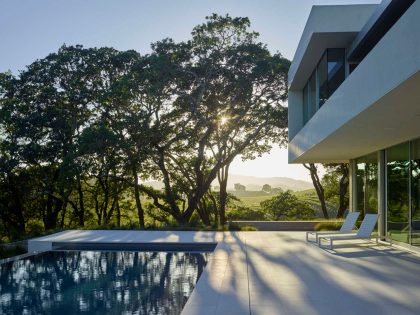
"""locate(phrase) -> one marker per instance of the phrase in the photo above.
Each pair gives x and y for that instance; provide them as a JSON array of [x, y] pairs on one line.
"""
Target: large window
[[367, 184], [322, 72], [326, 78], [305, 105], [402, 190], [312, 94], [336, 69], [415, 192], [331, 73], [398, 178], [309, 98], [360, 184]]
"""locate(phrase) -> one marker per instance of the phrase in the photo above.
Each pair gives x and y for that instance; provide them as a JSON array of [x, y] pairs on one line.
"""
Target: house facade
[[354, 97]]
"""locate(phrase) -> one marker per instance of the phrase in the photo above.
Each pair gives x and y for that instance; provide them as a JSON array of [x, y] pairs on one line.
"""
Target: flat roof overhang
[[393, 119], [387, 13], [376, 107], [328, 26], [317, 45]]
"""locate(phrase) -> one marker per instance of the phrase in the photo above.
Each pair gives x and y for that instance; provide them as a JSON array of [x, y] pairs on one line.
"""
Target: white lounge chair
[[346, 228], [364, 232]]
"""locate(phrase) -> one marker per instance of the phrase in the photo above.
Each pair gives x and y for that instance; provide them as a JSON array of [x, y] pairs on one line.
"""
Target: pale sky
[[33, 29]]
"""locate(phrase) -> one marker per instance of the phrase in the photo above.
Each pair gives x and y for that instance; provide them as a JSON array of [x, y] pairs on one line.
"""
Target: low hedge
[[328, 226]]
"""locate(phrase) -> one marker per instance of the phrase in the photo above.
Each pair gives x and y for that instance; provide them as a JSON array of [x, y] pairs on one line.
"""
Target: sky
[[32, 29]]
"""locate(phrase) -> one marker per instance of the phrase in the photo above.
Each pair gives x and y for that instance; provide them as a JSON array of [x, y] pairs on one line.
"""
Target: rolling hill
[[254, 183]]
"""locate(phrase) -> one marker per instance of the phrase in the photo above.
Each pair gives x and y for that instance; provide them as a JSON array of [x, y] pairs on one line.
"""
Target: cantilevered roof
[[328, 26], [376, 107]]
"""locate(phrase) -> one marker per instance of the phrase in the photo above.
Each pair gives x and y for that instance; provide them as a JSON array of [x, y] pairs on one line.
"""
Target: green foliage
[[6, 252], [240, 212], [286, 206], [236, 227], [335, 177], [254, 202], [249, 194], [239, 187], [266, 188], [248, 228], [329, 226], [82, 128], [310, 198]]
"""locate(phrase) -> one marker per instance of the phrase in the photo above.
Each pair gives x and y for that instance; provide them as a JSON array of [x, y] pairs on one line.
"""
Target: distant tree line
[[284, 205], [82, 129]]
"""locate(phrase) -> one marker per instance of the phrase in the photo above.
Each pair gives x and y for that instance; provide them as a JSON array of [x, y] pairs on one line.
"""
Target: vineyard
[[252, 199]]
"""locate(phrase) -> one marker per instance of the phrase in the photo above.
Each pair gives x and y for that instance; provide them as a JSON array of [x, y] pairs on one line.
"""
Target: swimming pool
[[100, 282]]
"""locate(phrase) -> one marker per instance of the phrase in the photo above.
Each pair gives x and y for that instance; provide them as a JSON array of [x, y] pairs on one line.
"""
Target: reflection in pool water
[[93, 282]]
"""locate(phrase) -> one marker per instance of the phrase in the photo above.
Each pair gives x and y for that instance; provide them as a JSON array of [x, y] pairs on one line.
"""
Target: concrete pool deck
[[279, 273]]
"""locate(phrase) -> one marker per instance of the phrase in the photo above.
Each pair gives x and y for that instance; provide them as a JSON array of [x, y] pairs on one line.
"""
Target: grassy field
[[252, 199], [310, 197], [254, 202]]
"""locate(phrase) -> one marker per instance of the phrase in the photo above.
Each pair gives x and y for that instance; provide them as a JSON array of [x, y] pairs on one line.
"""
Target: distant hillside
[[256, 183], [155, 184]]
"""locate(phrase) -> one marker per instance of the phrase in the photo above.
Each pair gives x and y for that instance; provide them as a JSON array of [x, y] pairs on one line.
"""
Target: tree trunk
[[19, 225], [170, 196], [81, 212], [98, 209], [344, 185], [118, 213], [215, 208], [203, 213], [63, 215], [222, 177], [51, 216], [140, 211], [318, 187], [54, 204]]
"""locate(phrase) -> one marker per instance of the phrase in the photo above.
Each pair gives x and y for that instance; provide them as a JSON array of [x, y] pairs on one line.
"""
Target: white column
[[381, 193], [352, 186]]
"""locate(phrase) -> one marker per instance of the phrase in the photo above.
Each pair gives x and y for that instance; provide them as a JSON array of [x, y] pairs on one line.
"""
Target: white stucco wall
[[394, 60], [328, 25]]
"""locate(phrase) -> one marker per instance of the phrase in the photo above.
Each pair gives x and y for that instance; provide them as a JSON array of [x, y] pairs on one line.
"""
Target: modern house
[[354, 97]]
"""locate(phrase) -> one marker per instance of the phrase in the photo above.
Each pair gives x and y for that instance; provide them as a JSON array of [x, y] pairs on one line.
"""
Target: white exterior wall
[[331, 25], [393, 62]]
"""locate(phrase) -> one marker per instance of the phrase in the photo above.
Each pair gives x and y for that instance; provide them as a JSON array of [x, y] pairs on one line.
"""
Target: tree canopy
[[286, 206], [82, 129]]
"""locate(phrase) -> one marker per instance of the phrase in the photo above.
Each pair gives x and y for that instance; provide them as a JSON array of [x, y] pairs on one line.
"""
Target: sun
[[223, 120]]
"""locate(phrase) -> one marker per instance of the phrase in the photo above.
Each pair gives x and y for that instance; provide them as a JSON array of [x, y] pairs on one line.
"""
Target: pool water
[[97, 282]]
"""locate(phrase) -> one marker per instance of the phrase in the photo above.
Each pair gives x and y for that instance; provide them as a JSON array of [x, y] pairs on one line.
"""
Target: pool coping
[[141, 247]]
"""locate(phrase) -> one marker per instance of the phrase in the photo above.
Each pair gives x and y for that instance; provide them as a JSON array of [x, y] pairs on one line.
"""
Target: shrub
[[244, 213], [236, 227], [286, 206], [328, 226], [10, 252]]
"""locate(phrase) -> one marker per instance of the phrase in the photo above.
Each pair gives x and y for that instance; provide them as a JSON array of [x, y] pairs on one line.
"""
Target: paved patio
[[279, 273]]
